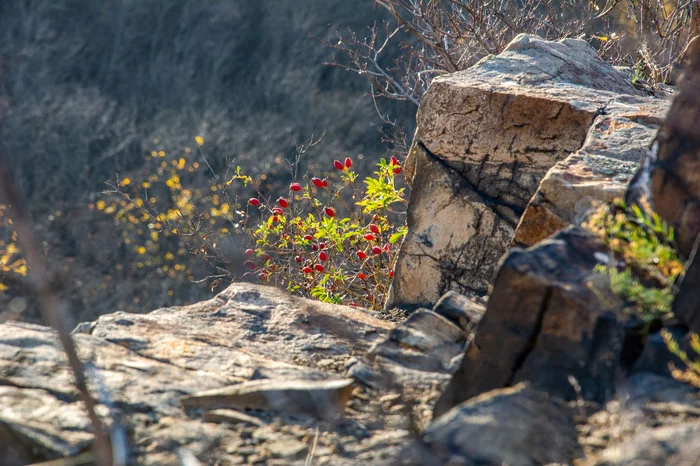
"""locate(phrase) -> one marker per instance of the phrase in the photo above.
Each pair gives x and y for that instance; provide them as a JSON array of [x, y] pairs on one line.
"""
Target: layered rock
[[596, 174], [486, 137], [546, 321]]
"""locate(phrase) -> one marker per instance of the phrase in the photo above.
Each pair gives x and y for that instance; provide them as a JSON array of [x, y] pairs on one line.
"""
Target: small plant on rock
[[644, 263]]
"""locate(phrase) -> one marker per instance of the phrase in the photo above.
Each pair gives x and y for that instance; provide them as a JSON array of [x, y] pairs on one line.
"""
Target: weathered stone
[[426, 341], [146, 363], [515, 426], [288, 449], [485, 138], [460, 310], [231, 416], [672, 176], [322, 398], [672, 446], [656, 357], [596, 174], [686, 304], [549, 317]]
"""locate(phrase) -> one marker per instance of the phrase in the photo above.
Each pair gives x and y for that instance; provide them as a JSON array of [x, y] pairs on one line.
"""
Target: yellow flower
[[125, 182], [141, 250], [199, 140], [101, 205]]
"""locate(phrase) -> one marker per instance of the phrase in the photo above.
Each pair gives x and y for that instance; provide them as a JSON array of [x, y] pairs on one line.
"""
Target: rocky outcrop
[[546, 321], [487, 136], [596, 174], [246, 377]]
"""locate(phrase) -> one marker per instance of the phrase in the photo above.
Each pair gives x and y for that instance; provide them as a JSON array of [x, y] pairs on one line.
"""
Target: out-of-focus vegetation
[[89, 89]]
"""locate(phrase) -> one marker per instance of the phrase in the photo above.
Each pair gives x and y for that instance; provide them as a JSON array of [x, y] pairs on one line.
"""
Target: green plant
[[643, 264], [691, 373], [12, 265], [322, 242], [334, 239]]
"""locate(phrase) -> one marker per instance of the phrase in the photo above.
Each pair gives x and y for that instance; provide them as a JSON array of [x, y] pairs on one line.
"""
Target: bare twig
[[51, 307]]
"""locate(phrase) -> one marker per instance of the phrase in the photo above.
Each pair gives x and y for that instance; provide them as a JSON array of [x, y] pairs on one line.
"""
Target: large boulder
[[516, 426], [550, 317], [486, 136]]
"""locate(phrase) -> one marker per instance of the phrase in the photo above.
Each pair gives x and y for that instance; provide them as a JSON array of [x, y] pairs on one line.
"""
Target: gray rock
[[518, 426], [425, 341], [546, 320], [460, 310], [323, 398], [671, 446]]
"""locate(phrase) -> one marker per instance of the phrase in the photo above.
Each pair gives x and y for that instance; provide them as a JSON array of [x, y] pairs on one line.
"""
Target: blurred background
[[89, 89]]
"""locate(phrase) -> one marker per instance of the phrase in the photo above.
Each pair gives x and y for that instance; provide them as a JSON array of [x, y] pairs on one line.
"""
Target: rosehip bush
[[333, 239]]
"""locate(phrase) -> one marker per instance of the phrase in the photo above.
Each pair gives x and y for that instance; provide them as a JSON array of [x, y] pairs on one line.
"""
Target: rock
[[426, 341], [596, 174], [646, 387], [686, 303], [549, 317], [323, 398], [248, 334], [672, 445], [231, 416], [460, 310], [518, 426], [672, 176], [486, 136], [288, 449], [656, 357]]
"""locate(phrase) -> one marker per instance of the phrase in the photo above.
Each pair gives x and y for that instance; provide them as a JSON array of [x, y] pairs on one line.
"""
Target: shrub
[[643, 263], [643, 268], [319, 241], [331, 238]]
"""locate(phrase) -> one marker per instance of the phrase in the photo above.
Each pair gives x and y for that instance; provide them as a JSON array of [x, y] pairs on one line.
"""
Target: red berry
[[308, 237], [323, 256], [314, 247], [376, 250], [353, 303], [307, 269], [277, 211], [283, 202], [369, 236], [317, 182], [319, 267], [386, 247], [324, 183], [329, 211], [394, 162], [322, 245], [391, 273], [253, 201], [361, 276], [348, 162], [296, 187], [249, 252], [266, 257], [338, 165], [373, 228], [262, 276], [250, 265], [397, 170], [299, 259], [361, 254]]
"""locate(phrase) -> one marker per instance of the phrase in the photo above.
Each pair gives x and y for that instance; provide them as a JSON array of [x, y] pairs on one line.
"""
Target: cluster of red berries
[[310, 255]]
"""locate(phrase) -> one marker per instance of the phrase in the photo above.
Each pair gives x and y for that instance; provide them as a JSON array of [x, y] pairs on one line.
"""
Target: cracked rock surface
[[485, 138]]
